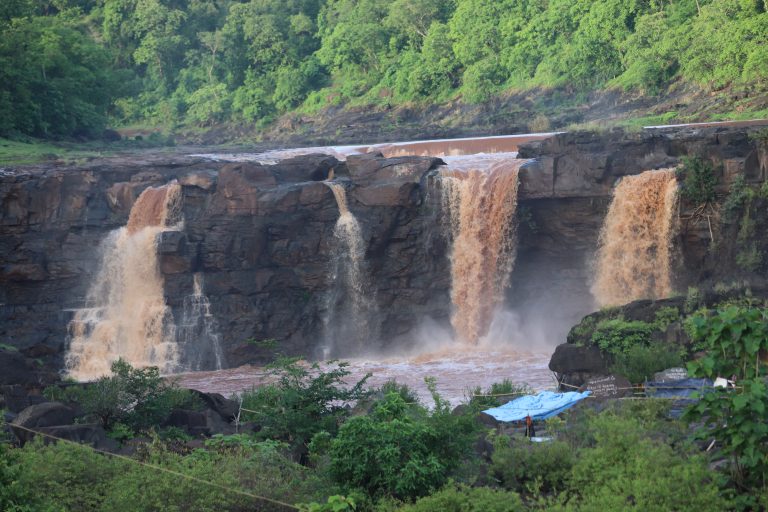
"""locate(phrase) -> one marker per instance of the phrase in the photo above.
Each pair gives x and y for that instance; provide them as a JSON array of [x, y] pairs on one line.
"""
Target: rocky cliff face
[[262, 236]]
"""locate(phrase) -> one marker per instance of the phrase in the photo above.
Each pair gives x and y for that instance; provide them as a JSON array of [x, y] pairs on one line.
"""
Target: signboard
[[610, 386], [671, 375]]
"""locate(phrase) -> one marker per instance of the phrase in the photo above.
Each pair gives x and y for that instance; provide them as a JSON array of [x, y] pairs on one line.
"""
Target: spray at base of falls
[[480, 198], [125, 314], [349, 303], [634, 255], [198, 332]]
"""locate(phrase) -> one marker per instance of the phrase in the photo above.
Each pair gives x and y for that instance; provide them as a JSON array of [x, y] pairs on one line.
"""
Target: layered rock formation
[[260, 237]]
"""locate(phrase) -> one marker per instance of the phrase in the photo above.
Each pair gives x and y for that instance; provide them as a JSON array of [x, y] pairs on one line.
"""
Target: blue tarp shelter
[[539, 407]]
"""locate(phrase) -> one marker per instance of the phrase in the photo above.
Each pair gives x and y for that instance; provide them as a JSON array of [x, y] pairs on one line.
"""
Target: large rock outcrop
[[262, 237]]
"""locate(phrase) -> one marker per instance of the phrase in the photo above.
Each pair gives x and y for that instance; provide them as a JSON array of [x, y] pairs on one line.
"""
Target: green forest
[[69, 68]]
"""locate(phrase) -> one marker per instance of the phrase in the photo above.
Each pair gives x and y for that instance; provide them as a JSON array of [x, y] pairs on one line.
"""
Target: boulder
[[34, 417], [91, 434], [569, 358], [226, 408]]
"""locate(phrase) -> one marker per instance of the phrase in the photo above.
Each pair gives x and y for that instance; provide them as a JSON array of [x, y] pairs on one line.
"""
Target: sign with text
[[611, 386]]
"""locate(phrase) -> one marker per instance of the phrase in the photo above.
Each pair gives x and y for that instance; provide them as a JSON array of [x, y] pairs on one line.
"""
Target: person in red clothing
[[529, 429]]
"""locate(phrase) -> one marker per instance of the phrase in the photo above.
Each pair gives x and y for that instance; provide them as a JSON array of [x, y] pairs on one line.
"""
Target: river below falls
[[456, 372]]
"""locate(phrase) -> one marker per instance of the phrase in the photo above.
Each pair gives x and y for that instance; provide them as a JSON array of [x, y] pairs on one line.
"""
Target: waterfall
[[125, 314], [634, 255], [349, 304], [479, 197], [198, 332]]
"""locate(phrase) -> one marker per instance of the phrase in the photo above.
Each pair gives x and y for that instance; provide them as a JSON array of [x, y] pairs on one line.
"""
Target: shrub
[[406, 393], [750, 258], [14, 496], [626, 470], [735, 338], [617, 336], [390, 453], [460, 498], [302, 402], [522, 464], [739, 195], [699, 180], [497, 394], [640, 362], [137, 397]]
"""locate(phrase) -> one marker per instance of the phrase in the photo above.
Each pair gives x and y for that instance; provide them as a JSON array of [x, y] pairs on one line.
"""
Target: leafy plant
[[699, 180], [302, 401], [640, 362], [461, 498], [739, 196], [137, 397], [617, 336], [735, 337], [496, 394], [519, 464], [392, 453]]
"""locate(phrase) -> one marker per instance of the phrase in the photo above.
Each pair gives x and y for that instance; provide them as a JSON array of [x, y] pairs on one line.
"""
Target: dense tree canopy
[[67, 67]]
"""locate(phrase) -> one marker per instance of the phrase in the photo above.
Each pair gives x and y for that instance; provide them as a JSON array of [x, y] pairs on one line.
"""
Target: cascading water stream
[[126, 315], [349, 304], [479, 196], [198, 332], [634, 255]]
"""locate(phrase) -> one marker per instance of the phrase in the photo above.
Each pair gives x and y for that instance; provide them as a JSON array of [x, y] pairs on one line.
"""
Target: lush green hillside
[[70, 67]]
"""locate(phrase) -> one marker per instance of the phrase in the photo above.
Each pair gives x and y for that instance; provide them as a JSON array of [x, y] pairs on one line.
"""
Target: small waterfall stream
[[198, 332], [348, 322]]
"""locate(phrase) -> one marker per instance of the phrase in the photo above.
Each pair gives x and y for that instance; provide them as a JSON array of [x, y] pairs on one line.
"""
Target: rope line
[[159, 468]]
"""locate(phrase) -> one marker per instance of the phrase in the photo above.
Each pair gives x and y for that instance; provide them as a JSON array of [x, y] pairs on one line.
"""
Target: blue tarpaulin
[[539, 407], [679, 392]]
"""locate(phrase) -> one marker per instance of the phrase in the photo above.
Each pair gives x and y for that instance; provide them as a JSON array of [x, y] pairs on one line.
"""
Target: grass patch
[[13, 152]]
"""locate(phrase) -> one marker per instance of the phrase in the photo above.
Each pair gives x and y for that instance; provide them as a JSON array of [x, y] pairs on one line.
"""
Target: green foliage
[[66, 67], [750, 258], [460, 498], [739, 196], [392, 452], [735, 338], [699, 180], [640, 362], [335, 503], [521, 464], [136, 397], [120, 432], [583, 329], [627, 470], [408, 395], [74, 477], [693, 299], [302, 401], [14, 496], [498, 393], [665, 316], [618, 336]]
